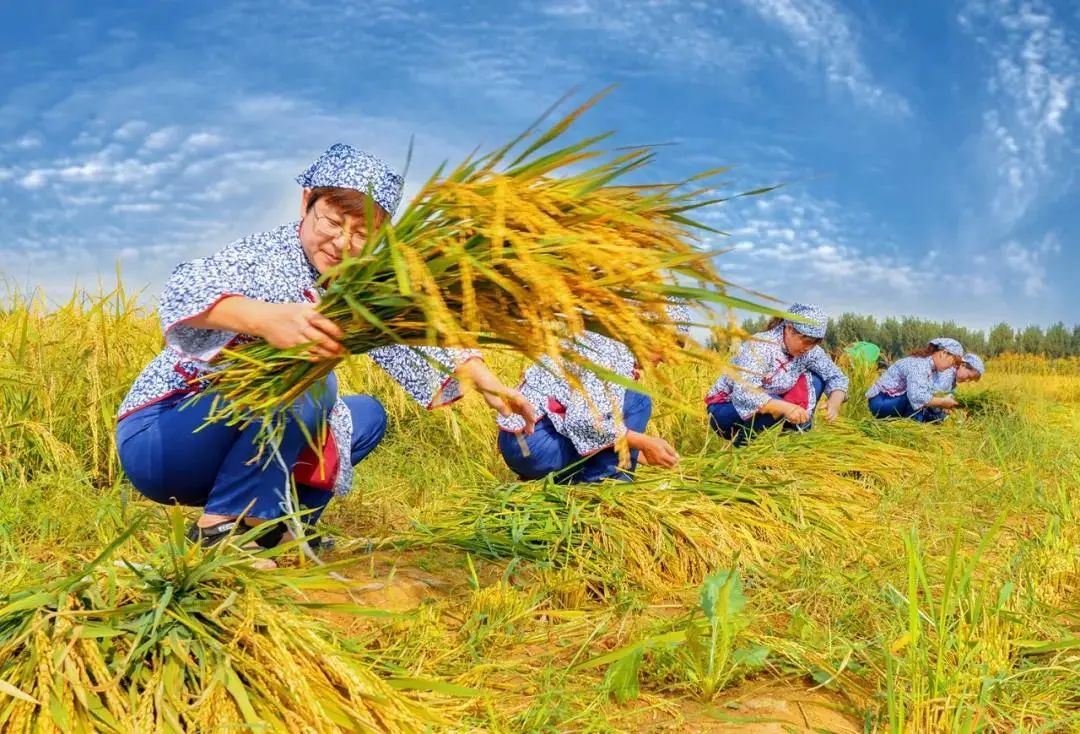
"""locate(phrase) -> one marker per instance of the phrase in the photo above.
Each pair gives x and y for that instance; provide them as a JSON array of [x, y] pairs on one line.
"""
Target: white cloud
[[827, 38], [99, 168], [675, 35], [1029, 263], [202, 139], [804, 247], [798, 247], [130, 130], [68, 199], [90, 171], [34, 179], [1034, 72], [28, 142], [161, 138], [137, 208]]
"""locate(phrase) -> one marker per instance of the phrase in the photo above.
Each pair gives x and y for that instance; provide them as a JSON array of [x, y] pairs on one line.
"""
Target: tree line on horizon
[[898, 336]]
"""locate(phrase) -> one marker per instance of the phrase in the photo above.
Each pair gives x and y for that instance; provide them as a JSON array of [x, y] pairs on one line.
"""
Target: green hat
[[864, 352]]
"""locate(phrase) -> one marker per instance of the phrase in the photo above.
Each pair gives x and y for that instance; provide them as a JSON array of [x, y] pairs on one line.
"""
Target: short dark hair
[[349, 202]]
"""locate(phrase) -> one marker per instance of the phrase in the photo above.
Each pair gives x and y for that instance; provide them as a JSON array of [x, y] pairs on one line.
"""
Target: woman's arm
[[833, 403], [835, 381], [790, 412], [920, 385], [505, 400], [946, 402], [655, 451], [208, 301], [282, 325], [748, 395]]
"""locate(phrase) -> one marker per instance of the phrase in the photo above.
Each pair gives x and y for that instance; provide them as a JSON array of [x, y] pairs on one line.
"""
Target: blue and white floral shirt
[[590, 416], [945, 381], [272, 267], [911, 376], [766, 371]]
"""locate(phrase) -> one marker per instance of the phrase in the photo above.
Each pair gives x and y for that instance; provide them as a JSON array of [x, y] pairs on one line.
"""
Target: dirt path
[[770, 709], [392, 582], [401, 582]]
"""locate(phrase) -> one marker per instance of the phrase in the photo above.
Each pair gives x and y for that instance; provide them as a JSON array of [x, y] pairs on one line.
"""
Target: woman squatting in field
[[782, 373], [578, 426], [265, 286], [971, 369], [907, 388]]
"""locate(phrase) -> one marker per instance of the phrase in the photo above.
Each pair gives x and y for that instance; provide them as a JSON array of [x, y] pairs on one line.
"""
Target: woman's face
[[797, 344], [966, 374], [943, 360], [322, 234]]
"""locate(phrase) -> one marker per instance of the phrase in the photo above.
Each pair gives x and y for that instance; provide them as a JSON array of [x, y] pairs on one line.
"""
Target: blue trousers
[[883, 406], [170, 462], [550, 452], [726, 421]]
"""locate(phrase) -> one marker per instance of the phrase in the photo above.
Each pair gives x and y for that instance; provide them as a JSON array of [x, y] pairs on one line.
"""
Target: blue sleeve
[[752, 364], [425, 373], [197, 286], [920, 385], [820, 363], [945, 381]]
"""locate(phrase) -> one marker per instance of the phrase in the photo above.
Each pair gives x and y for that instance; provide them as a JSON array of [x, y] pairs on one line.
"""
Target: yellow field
[[877, 576]]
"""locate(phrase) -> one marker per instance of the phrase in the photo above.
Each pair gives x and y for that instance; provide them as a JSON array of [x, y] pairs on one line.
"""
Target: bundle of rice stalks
[[665, 531], [861, 375], [649, 534], [822, 481], [845, 449], [655, 534], [900, 432], [520, 248], [191, 641], [984, 402]]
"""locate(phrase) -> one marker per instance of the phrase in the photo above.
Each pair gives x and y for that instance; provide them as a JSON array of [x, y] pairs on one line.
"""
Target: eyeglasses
[[326, 227]]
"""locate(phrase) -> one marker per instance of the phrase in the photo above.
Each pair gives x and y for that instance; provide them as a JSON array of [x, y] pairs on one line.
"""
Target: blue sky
[[929, 148]]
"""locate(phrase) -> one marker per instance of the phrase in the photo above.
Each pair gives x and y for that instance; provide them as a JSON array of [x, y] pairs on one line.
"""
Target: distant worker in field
[[266, 286], [907, 388], [579, 425], [781, 374], [971, 369]]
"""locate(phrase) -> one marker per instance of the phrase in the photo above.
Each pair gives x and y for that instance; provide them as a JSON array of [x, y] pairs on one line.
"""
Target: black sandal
[[211, 536], [322, 544]]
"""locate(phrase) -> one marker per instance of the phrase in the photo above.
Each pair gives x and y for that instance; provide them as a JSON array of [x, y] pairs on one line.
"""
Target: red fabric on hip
[[308, 470], [799, 394]]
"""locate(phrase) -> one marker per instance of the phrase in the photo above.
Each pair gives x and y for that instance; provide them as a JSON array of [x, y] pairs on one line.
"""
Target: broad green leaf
[[621, 679], [434, 686]]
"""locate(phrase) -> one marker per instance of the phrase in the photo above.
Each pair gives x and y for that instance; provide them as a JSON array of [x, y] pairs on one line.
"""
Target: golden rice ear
[[521, 256]]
